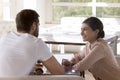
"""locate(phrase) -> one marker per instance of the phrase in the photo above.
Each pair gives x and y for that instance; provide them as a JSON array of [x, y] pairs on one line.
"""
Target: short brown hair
[[25, 18]]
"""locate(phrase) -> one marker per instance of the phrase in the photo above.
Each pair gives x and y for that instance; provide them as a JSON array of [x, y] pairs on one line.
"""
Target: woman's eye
[[85, 29]]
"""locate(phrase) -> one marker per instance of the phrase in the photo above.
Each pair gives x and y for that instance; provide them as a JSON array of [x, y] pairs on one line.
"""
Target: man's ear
[[33, 27]]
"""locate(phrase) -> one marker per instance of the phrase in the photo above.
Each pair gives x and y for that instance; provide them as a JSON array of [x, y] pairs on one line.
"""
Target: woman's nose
[[81, 33]]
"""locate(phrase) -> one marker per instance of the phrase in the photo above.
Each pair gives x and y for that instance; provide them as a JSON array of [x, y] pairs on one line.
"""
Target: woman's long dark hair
[[94, 23]]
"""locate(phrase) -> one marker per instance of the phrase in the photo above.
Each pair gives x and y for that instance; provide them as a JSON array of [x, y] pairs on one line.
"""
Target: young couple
[[20, 50]]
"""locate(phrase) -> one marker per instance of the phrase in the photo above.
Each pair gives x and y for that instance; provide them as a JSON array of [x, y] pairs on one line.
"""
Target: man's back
[[19, 52]]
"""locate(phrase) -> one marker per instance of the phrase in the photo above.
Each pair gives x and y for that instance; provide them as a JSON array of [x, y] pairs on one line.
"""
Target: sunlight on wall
[[6, 10], [6, 13], [6, 0], [30, 4]]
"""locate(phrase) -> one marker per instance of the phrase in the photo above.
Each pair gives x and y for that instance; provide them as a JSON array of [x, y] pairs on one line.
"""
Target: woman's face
[[88, 34]]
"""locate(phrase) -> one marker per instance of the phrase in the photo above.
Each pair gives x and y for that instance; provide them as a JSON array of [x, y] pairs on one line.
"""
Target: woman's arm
[[93, 56], [78, 56], [67, 65]]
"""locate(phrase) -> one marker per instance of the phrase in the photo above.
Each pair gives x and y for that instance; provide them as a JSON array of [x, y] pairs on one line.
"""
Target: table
[[59, 58], [44, 77], [72, 38]]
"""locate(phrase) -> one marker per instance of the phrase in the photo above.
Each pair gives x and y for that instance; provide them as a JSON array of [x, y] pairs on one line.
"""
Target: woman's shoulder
[[99, 42]]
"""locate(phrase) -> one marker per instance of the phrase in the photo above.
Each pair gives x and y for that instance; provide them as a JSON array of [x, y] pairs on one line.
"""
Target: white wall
[[41, 10]]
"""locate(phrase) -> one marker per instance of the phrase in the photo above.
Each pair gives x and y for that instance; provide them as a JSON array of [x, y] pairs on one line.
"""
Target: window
[[84, 8], [71, 0], [65, 11], [9, 8], [66, 8], [108, 12], [5, 10]]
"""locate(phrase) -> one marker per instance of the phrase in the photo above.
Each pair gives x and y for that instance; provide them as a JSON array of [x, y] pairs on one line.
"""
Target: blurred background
[[59, 16], [64, 16]]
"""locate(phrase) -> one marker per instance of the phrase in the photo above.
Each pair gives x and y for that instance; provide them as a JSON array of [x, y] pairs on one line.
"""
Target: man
[[20, 50]]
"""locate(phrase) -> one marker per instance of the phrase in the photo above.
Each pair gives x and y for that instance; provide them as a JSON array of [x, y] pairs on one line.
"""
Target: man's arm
[[53, 66]]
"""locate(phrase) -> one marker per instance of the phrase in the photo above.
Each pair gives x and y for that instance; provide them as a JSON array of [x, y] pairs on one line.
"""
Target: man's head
[[27, 21]]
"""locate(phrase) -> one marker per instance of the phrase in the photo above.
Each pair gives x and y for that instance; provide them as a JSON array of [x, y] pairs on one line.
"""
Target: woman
[[97, 56]]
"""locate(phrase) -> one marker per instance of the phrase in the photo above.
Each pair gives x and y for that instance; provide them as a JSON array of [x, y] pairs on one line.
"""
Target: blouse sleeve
[[93, 56]]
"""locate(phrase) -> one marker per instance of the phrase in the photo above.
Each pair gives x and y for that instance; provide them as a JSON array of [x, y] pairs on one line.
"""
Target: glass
[[108, 12], [71, 0], [111, 1], [72, 11]]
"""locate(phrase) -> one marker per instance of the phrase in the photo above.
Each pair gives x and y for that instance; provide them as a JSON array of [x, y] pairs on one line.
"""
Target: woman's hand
[[75, 59], [67, 65]]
